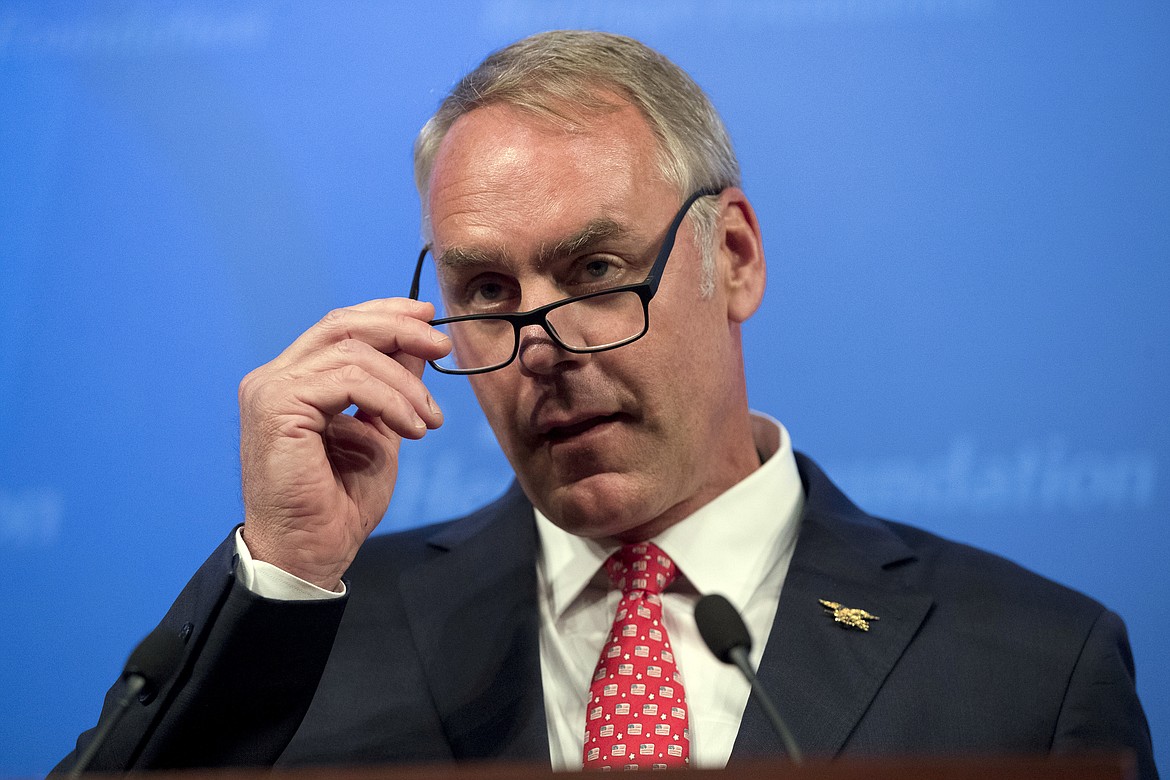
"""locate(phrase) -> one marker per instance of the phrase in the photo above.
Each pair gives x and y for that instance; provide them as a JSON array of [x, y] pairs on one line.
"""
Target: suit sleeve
[[1101, 710], [250, 668]]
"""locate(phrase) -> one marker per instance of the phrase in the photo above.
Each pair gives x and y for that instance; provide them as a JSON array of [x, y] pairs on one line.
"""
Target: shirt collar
[[720, 548]]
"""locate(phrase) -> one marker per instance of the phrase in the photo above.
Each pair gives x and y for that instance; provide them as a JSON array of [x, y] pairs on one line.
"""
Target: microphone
[[727, 637], [151, 664]]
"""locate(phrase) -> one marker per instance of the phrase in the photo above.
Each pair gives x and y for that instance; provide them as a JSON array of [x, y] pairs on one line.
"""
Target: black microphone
[[153, 662], [725, 634]]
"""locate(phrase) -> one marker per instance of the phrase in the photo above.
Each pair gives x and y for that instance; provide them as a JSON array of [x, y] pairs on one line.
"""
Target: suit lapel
[[473, 612], [822, 675]]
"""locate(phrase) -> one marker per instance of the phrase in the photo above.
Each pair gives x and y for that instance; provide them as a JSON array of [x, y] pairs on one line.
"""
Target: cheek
[[684, 331], [693, 365], [498, 400]]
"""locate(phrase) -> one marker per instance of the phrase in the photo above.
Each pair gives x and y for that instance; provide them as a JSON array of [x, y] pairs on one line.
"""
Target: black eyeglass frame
[[645, 291]]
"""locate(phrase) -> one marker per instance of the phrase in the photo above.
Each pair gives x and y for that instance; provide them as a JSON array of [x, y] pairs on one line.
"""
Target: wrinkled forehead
[[564, 122], [507, 183]]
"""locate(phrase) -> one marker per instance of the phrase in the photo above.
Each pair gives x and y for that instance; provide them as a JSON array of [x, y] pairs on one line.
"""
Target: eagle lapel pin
[[848, 616]]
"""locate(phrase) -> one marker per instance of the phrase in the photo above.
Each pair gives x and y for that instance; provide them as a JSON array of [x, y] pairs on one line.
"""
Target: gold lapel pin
[[848, 616]]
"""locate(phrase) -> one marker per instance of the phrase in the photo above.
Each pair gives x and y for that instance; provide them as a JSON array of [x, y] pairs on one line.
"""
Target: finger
[[331, 392], [394, 372], [390, 325], [375, 422]]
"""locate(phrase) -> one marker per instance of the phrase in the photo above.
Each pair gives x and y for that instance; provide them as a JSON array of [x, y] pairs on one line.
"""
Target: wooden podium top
[[1088, 767]]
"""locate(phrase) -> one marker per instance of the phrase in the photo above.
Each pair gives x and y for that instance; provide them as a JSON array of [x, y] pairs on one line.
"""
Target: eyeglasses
[[593, 322]]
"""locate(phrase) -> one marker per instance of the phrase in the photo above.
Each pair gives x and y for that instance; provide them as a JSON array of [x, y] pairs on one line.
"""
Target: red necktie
[[637, 711]]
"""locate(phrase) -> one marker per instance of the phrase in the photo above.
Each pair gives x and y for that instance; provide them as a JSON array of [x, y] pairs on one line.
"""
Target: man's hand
[[317, 481]]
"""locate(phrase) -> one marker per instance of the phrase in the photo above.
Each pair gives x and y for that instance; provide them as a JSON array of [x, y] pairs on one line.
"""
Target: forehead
[[505, 178]]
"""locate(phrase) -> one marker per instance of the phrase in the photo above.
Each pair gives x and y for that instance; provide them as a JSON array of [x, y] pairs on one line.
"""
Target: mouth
[[578, 428]]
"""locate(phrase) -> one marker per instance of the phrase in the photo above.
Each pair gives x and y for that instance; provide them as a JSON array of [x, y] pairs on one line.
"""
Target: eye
[[490, 292], [597, 269]]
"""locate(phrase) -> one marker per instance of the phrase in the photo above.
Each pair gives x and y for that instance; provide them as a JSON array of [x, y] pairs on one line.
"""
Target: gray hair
[[561, 74]]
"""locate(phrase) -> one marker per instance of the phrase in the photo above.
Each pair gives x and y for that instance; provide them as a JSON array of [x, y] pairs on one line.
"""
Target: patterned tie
[[637, 711]]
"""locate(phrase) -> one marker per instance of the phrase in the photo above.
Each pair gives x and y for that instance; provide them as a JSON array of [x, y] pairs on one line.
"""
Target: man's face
[[618, 443]]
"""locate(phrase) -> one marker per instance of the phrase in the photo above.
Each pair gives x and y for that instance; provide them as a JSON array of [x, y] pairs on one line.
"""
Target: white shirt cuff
[[273, 582]]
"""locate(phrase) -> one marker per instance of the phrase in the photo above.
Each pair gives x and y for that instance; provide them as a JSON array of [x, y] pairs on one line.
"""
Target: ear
[[740, 255]]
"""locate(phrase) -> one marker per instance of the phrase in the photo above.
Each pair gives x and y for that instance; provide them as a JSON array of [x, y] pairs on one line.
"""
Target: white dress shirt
[[738, 545]]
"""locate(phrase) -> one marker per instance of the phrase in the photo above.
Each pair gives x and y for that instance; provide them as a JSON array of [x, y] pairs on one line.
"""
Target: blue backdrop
[[966, 210]]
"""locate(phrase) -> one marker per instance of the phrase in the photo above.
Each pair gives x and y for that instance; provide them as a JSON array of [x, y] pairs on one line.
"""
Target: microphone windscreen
[[721, 627], [157, 657]]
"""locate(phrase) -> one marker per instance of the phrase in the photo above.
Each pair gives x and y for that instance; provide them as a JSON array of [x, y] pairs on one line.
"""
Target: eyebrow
[[596, 231]]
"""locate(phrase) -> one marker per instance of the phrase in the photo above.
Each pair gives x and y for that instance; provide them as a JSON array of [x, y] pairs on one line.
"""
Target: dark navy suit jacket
[[434, 655]]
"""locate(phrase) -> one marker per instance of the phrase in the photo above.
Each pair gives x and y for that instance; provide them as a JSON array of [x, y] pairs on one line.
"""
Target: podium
[[1109, 766]]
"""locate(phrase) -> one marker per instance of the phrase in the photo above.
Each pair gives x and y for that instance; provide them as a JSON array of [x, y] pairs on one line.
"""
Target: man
[[597, 257]]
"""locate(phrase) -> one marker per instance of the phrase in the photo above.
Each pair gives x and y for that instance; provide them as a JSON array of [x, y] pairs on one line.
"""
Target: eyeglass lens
[[584, 325]]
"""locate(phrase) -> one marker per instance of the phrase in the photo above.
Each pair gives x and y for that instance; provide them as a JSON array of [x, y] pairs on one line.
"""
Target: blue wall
[[966, 209]]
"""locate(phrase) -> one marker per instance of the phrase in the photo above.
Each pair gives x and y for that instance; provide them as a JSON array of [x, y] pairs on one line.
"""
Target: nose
[[539, 355]]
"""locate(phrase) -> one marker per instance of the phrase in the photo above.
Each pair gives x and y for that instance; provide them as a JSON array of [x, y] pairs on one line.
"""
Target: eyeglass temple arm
[[414, 283], [660, 262]]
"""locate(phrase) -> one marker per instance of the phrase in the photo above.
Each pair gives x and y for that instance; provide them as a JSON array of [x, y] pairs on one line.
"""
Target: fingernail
[[418, 424], [434, 407], [438, 336]]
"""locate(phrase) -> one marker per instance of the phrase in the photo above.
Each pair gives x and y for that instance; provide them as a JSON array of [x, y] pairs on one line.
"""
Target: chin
[[598, 506]]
